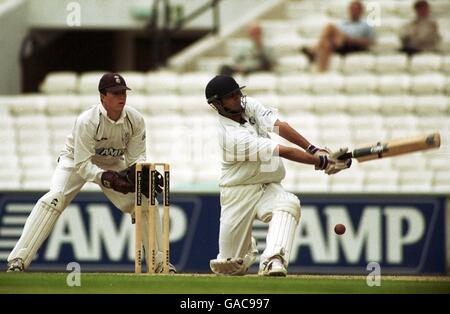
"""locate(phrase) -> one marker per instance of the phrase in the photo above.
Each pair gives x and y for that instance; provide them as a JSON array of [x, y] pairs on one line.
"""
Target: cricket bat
[[394, 147]]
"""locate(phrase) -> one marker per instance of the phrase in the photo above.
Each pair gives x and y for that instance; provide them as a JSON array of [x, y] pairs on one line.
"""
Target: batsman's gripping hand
[[336, 164], [316, 151], [113, 180], [330, 163], [129, 175]]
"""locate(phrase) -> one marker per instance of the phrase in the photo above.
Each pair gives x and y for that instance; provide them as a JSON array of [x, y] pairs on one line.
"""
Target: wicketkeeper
[[106, 142]]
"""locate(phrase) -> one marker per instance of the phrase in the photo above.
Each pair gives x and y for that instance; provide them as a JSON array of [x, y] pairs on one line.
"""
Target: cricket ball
[[339, 229]]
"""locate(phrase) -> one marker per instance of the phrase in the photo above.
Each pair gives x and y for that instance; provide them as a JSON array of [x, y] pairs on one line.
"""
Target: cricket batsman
[[250, 185], [106, 142]]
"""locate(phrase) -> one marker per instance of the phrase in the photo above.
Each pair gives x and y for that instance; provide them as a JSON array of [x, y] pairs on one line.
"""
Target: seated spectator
[[351, 36], [421, 34], [254, 58]]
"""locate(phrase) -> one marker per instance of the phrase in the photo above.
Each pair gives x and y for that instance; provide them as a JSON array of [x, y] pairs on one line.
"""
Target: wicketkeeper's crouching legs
[[38, 226]]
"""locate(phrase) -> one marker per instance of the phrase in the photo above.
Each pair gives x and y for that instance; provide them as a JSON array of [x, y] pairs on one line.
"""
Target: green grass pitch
[[211, 284]]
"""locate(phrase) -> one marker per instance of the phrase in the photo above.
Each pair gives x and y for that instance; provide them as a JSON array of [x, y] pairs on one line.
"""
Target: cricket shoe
[[172, 269], [16, 265], [273, 267]]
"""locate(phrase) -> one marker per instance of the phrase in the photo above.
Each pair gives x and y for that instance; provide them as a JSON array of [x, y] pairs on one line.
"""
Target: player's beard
[[233, 113]]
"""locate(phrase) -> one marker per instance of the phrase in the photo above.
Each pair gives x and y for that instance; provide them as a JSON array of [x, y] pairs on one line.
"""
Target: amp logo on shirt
[[114, 152]]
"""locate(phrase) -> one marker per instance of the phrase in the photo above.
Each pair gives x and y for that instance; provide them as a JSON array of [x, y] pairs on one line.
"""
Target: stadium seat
[[431, 105], [441, 181], [327, 83], [396, 105], [359, 62], [292, 103], [415, 181], [404, 9], [291, 84], [9, 162], [193, 83], [432, 83], [367, 121], [360, 84], [392, 63], [310, 180], [213, 64], [60, 83], [260, 83], [364, 137], [446, 64], [88, 83], [350, 180], [390, 22], [284, 45], [303, 120], [161, 82], [62, 105], [425, 62], [313, 24], [335, 138], [325, 104], [336, 63], [387, 43], [135, 81], [393, 84], [291, 64], [137, 101], [382, 165], [28, 105], [61, 123], [274, 27], [269, 100], [376, 181], [33, 122], [414, 161], [363, 104], [433, 123], [400, 122], [194, 103], [156, 104], [437, 161], [87, 101]]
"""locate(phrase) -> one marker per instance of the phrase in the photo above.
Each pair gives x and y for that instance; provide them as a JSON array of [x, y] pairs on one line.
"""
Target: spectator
[[421, 34], [351, 36], [254, 58]]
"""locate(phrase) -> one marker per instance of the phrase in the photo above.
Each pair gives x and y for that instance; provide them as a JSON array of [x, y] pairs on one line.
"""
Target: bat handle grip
[[345, 156]]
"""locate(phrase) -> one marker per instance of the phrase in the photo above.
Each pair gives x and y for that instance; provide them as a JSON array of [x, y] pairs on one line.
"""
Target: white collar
[[105, 113], [230, 122]]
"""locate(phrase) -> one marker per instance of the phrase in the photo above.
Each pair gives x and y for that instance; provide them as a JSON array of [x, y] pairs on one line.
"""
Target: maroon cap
[[112, 82]]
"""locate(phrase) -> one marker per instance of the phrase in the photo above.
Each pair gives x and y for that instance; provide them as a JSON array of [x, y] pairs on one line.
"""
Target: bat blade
[[394, 147]]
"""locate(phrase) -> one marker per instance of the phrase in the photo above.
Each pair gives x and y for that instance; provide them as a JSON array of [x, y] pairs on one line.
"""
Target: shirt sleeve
[[370, 33], [136, 148], [265, 117], [244, 146], [84, 150]]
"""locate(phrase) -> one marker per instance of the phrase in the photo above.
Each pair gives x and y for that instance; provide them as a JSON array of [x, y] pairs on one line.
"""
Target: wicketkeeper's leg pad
[[38, 226]]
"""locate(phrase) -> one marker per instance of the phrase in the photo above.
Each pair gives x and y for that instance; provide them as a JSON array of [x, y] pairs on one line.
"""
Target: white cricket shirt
[[247, 149], [97, 141]]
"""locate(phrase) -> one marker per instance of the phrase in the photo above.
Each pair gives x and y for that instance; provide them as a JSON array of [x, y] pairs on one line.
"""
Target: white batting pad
[[38, 226], [280, 236]]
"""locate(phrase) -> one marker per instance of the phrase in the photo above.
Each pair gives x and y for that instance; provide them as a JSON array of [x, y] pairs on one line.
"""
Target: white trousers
[[240, 205], [65, 185]]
